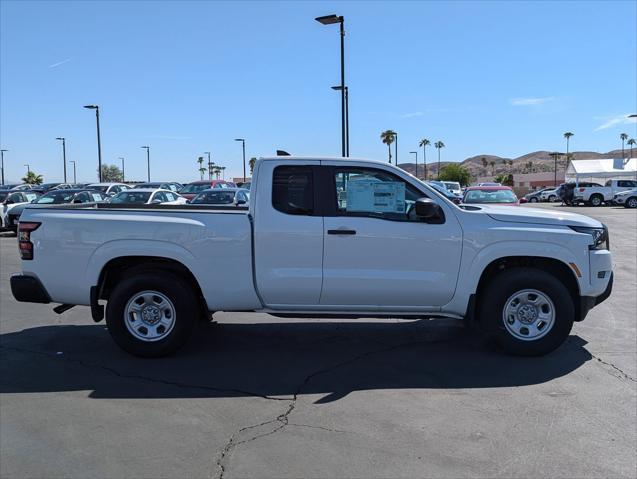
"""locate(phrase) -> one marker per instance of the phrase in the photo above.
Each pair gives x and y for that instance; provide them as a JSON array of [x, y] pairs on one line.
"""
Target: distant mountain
[[531, 162]]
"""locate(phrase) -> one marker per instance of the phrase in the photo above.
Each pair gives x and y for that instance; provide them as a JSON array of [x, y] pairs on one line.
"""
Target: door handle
[[341, 232]]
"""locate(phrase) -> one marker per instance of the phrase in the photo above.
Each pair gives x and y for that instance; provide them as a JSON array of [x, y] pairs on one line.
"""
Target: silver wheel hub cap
[[149, 316], [528, 315]]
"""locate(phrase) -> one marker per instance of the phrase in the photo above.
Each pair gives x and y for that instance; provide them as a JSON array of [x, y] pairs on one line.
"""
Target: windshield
[[148, 185], [138, 197], [490, 196], [195, 188], [214, 198], [102, 188], [55, 198]]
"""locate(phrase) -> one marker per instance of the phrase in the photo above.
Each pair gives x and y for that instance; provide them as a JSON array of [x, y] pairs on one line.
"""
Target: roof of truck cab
[[322, 158]]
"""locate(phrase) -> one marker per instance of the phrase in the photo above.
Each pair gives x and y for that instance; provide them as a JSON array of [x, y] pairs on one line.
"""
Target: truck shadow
[[279, 359]]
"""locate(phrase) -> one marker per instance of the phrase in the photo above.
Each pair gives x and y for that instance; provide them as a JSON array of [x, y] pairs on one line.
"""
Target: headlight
[[600, 236]]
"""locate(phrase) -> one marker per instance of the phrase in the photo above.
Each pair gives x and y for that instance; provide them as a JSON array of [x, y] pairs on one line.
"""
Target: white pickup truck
[[321, 237], [596, 195]]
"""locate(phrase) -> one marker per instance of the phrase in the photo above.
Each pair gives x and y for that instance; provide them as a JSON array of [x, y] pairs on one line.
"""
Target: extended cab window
[[375, 193], [293, 190]]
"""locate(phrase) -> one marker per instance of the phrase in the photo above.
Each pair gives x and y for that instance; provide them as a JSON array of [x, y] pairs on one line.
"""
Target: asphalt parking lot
[[257, 396]]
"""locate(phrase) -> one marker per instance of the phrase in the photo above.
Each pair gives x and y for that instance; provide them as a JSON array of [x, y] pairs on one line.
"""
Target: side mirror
[[241, 202], [156, 202], [77, 200], [427, 209]]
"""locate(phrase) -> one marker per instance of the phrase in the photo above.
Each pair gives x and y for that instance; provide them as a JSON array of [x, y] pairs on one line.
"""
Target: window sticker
[[375, 196], [96, 197]]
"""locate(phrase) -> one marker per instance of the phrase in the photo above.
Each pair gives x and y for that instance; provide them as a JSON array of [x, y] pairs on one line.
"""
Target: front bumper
[[589, 302], [28, 289]]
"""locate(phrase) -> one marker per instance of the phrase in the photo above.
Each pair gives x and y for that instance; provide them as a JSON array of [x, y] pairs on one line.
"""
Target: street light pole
[[74, 177], [123, 174], [2, 156], [99, 142], [209, 165], [396, 149], [63, 155], [329, 20], [338, 88], [28, 169], [147, 148], [416, 153], [243, 144]]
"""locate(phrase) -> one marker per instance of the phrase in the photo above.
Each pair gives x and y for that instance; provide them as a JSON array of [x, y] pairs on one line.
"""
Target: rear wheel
[[152, 314], [527, 311], [596, 200], [631, 202], [552, 199], [533, 199]]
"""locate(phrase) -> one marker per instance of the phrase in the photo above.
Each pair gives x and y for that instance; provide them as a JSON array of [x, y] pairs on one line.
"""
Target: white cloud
[[412, 114], [55, 65], [531, 101], [611, 121]]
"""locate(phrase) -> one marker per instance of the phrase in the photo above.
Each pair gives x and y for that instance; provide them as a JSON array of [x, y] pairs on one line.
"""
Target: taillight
[[24, 238], [581, 189]]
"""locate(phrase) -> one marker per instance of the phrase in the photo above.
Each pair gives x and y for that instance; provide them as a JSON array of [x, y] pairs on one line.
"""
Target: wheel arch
[[123, 266], [553, 266]]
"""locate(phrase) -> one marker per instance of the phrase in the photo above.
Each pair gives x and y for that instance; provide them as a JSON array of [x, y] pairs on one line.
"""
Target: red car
[[193, 189], [491, 195]]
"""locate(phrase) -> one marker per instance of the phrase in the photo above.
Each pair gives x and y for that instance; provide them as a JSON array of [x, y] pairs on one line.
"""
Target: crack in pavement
[[283, 419], [622, 373], [115, 372]]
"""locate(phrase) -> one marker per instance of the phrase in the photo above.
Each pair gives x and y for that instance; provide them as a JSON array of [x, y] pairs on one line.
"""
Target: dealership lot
[[257, 396]]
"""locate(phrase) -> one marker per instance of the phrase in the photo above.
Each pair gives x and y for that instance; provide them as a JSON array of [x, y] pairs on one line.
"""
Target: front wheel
[[151, 314], [528, 311], [533, 200]]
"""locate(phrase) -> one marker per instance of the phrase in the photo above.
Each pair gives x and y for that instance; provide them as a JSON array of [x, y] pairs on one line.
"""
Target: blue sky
[[502, 78]]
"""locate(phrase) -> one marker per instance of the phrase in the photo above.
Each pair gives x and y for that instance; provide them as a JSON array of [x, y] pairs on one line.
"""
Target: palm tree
[[492, 164], [388, 137], [631, 142], [623, 137], [439, 145], [202, 170], [32, 179], [251, 163], [568, 135], [424, 142], [484, 164]]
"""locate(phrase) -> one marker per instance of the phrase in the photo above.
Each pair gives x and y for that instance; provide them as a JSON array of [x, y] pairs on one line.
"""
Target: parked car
[[8, 186], [44, 187], [535, 196], [56, 197], [222, 196], [148, 196], [627, 198], [454, 187], [192, 189], [171, 185], [109, 188], [549, 195], [445, 192], [595, 194], [12, 200], [501, 195], [22, 187], [523, 275]]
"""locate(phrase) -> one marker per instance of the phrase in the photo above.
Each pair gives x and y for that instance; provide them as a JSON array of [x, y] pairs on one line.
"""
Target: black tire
[[596, 200], [552, 199], [186, 312], [533, 200], [491, 304], [631, 202]]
